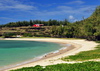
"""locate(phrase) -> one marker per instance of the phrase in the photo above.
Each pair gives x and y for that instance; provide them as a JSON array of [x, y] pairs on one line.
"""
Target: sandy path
[[80, 45]]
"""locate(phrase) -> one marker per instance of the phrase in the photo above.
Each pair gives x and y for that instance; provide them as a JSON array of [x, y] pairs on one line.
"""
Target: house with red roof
[[38, 25]]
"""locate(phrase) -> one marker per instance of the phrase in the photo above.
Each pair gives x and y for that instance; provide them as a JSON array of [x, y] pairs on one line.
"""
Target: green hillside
[[88, 28]]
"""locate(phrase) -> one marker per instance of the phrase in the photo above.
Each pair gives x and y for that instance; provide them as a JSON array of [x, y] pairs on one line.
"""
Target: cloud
[[4, 18], [46, 5], [12, 4], [16, 5], [21, 7], [71, 17], [73, 14], [66, 11], [64, 7], [76, 2], [56, 11]]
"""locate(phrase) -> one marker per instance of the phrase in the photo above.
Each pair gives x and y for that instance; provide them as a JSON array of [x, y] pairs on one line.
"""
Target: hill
[[88, 28]]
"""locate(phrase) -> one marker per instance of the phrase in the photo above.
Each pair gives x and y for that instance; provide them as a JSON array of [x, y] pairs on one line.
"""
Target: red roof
[[37, 25]]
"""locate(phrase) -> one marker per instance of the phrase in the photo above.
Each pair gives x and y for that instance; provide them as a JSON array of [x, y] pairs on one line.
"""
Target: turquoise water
[[13, 52]]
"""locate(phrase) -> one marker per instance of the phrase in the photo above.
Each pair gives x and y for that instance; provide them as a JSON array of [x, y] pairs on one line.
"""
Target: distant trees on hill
[[32, 22], [88, 28]]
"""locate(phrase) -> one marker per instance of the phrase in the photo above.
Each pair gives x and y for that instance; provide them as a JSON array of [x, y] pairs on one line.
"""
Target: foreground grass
[[85, 66], [85, 55]]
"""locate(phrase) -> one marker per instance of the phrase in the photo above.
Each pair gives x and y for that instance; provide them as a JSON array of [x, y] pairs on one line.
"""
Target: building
[[38, 25]]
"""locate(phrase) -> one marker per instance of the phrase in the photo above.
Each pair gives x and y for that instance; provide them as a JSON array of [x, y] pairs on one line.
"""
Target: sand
[[77, 45]]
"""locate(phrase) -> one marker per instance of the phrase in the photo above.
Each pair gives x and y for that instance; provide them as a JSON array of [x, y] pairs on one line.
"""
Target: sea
[[14, 52]]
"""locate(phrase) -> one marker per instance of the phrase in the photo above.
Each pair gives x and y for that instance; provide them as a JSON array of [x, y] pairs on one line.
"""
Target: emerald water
[[13, 52]]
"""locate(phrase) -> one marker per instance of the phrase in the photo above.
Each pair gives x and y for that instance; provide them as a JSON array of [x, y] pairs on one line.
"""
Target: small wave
[[56, 51], [68, 44]]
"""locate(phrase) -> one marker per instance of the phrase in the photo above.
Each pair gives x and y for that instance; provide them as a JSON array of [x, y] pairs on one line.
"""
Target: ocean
[[13, 52]]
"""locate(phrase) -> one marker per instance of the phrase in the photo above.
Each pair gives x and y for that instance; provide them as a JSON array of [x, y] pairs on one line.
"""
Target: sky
[[25, 10]]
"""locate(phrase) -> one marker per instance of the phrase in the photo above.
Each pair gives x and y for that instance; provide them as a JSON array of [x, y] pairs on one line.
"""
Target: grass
[[8, 31], [85, 66], [85, 55]]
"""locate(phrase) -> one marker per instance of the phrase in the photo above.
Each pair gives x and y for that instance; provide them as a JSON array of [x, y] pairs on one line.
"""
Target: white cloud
[[21, 7], [66, 10], [71, 17], [64, 7], [61, 10], [75, 20], [72, 10], [4, 18], [16, 5], [76, 2], [12, 4]]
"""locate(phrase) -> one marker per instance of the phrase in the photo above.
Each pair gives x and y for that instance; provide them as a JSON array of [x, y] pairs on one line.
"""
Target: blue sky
[[20, 10]]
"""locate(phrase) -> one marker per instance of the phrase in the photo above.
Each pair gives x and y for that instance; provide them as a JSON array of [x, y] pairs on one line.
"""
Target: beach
[[76, 46]]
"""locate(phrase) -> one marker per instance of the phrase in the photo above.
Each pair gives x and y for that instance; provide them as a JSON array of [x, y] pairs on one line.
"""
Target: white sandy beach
[[80, 45]]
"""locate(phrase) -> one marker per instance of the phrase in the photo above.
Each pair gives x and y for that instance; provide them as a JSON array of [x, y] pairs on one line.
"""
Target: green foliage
[[27, 35], [8, 35], [97, 41], [32, 22], [36, 68], [85, 55], [87, 29], [85, 66]]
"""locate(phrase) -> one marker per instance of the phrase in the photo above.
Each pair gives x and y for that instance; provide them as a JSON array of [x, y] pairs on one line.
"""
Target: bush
[[27, 35], [8, 35]]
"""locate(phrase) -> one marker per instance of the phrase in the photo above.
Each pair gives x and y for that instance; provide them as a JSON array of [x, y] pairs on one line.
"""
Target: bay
[[13, 52]]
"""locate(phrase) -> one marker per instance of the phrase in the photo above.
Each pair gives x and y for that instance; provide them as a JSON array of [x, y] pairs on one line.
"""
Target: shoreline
[[41, 57], [54, 58]]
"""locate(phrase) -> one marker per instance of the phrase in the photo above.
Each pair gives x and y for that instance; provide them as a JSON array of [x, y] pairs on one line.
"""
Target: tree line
[[32, 22]]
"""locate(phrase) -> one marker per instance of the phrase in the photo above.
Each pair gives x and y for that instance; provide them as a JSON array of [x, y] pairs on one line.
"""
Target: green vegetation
[[27, 35], [85, 55], [85, 66], [26, 31], [6, 35], [32, 22], [88, 28]]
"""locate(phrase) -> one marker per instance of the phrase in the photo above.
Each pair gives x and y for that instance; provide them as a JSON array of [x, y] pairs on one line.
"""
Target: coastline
[[54, 58]]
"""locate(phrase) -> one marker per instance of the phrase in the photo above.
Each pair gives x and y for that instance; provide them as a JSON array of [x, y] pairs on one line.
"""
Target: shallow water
[[13, 52]]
